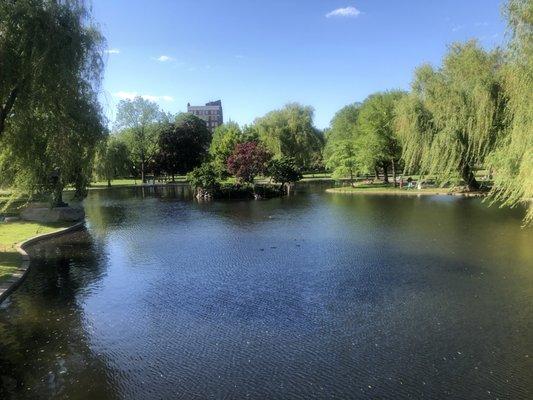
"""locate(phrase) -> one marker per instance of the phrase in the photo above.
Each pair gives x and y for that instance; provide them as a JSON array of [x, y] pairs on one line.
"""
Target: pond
[[312, 296]]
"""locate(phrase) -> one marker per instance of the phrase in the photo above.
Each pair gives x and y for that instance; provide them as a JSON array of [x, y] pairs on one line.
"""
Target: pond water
[[312, 296]]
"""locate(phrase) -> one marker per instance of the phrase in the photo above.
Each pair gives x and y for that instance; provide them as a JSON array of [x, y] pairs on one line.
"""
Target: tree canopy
[[50, 119], [225, 138], [248, 160], [183, 145], [290, 132], [112, 160], [455, 114], [512, 159], [283, 170], [340, 150], [140, 122]]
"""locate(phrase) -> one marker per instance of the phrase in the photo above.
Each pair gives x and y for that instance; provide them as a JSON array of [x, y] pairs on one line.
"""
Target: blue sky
[[257, 55]]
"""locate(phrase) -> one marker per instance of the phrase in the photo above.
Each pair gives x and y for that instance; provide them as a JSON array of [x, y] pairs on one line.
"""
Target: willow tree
[[454, 115], [112, 160], [50, 118], [290, 132], [512, 160], [379, 147], [340, 150]]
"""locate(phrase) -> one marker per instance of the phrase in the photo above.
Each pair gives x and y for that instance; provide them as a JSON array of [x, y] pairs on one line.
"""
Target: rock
[[55, 214], [11, 219]]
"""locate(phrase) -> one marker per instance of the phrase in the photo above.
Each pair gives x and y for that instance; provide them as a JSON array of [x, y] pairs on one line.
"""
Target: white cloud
[[484, 23], [350, 12], [457, 28], [164, 58], [131, 95], [240, 56], [113, 51]]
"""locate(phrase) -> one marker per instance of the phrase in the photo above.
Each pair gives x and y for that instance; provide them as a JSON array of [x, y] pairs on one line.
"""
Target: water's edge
[[12, 283]]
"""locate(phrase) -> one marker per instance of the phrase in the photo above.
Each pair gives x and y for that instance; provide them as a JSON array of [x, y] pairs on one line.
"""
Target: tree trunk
[[376, 171], [143, 179], [385, 173], [108, 183], [469, 178], [393, 166], [351, 177], [6, 108]]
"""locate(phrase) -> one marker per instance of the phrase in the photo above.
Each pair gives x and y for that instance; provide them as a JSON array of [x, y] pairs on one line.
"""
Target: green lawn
[[128, 182], [382, 188], [15, 232]]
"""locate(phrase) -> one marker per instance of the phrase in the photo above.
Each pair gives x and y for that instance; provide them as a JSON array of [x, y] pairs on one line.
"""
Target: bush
[[204, 177]]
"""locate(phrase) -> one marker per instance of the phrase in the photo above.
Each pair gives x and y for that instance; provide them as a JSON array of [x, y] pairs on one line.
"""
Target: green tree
[[379, 146], [454, 115], [343, 159], [340, 150], [141, 122], [512, 159], [50, 118], [204, 177], [112, 160], [225, 138], [289, 132], [183, 145], [284, 171]]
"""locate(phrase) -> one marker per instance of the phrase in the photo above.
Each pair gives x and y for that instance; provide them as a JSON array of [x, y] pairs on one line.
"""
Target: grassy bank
[[15, 232], [380, 188]]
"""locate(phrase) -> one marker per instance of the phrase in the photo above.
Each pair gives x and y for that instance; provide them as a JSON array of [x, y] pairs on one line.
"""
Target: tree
[[141, 122], [225, 138], [343, 159], [248, 160], [289, 132], [283, 171], [112, 160], [340, 151], [183, 145], [454, 115], [512, 159], [379, 146], [50, 119], [204, 177]]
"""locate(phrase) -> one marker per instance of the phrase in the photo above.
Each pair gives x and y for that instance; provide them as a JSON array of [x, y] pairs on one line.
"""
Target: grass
[[129, 182], [383, 188], [15, 232]]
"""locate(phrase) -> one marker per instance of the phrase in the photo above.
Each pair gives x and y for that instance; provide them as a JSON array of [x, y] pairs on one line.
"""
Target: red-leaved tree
[[248, 160]]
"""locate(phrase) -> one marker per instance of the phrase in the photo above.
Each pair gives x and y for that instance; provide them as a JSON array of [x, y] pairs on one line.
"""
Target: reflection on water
[[312, 296]]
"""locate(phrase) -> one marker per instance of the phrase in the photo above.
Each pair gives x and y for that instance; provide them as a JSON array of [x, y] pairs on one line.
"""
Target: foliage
[[248, 160], [204, 177], [284, 170], [343, 159], [141, 122], [340, 151], [182, 146], [225, 138], [50, 118], [289, 132], [512, 160], [379, 146], [454, 115], [112, 160]]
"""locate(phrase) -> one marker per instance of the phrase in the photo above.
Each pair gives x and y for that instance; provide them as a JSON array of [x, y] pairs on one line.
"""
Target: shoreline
[[12, 283], [400, 192]]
